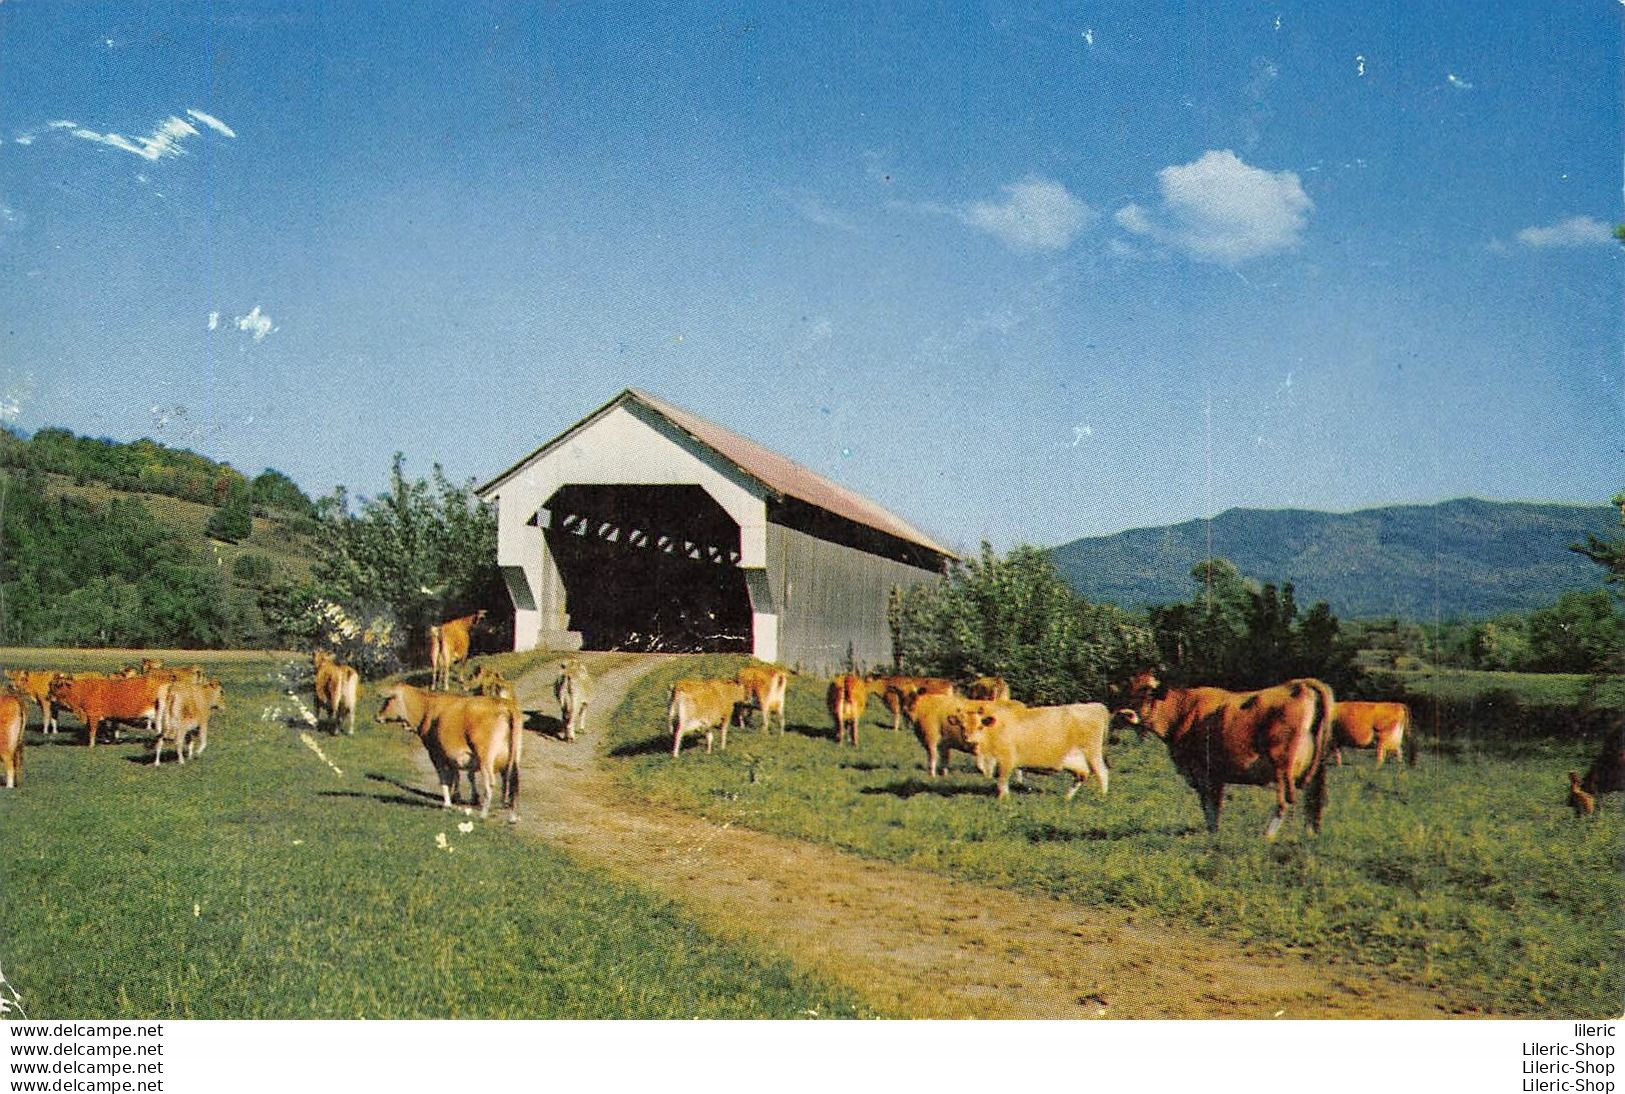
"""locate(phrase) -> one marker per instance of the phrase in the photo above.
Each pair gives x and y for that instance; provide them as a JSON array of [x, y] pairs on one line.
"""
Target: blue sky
[[1017, 272]]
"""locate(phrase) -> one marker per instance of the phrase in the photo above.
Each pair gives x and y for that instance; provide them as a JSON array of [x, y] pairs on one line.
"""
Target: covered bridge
[[646, 527]]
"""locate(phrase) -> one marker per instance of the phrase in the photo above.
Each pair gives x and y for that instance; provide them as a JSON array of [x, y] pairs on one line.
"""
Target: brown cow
[[848, 695], [940, 723], [36, 686], [1370, 725], [702, 705], [899, 692], [11, 737], [463, 733], [186, 710], [572, 690], [336, 689], [1605, 776], [448, 646], [765, 687], [1006, 737], [991, 688], [1278, 736], [100, 698]]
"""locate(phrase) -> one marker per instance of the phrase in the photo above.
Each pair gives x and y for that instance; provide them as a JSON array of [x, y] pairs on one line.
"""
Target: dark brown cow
[[1606, 776], [448, 646], [1278, 736]]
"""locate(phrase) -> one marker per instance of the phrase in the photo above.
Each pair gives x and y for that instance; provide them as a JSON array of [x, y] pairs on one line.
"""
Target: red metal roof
[[778, 473]]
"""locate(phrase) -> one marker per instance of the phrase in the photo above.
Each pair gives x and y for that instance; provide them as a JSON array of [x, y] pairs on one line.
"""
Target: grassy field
[[260, 882], [1470, 876]]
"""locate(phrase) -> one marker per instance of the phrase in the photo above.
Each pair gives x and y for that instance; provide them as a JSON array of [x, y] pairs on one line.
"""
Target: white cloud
[[1457, 82], [1219, 209], [214, 320], [1035, 215], [165, 140], [1573, 232], [817, 210], [24, 138], [256, 324], [212, 122]]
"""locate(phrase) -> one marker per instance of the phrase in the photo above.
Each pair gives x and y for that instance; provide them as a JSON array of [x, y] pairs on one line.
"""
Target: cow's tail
[[516, 747], [1325, 707]]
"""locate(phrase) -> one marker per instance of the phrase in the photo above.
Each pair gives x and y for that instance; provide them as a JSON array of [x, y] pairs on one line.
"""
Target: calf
[[35, 685], [765, 686], [899, 692], [100, 698], [571, 689], [11, 738], [848, 695], [1006, 737], [702, 705], [186, 709], [463, 733], [940, 723], [336, 689]]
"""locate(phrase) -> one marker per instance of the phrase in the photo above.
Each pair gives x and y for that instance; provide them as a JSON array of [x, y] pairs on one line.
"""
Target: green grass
[[1470, 876], [1553, 689], [257, 883]]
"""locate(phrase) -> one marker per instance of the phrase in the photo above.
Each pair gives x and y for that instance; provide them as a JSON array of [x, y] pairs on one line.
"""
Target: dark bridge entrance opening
[[649, 568]]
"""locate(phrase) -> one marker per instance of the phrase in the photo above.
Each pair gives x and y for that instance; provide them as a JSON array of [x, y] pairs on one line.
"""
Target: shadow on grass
[[817, 733], [651, 746], [413, 796], [545, 724], [941, 788]]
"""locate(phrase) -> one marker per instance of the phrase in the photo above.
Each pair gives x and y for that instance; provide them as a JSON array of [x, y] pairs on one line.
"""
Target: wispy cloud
[[1035, 215], [165, 140], [1219, 209], [817, 210], [256, 324], [1573, 232]]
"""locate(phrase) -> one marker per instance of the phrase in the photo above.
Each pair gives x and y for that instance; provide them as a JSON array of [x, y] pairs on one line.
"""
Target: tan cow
[[1605, 776], [186, 710], [1006, 737], [573, 691], [696, 705], [448, 646], [463, 733], [1278, 736], [899, 692], [36, 685], [940, 723], [991, 688], [765, 687], [337, 687], [11, 738], [490, 683], [847, 697], [1369, 725], [97, 699]]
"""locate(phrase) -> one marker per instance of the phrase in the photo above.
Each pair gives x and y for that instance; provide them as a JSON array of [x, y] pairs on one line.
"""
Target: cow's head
[[393, 708], [318, 658]]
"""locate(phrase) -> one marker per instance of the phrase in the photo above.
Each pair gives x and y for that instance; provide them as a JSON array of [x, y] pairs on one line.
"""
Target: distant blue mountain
[[1463, 559]]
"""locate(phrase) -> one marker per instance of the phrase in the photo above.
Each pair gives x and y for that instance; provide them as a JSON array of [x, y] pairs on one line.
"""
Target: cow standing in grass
[[463, 733], [1278, 737], [1380, 726], [448, 646], [186, 710], [11, 738], [337, 687], [702, 706], [1006, 737], [572, 690], [35, 685], [765, 687], [98, 699]]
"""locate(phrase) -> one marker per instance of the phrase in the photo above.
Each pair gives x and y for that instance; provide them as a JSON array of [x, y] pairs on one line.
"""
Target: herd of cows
[[1283, 737]]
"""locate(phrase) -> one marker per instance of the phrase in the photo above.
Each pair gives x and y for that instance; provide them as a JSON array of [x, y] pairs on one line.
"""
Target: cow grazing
[[765, 687], [941, 723], [1279, 736], [1605, 776], [490, 683], [899, 692], [186, 709], [696, 705], [337, 687], [990, 688], [11, 737], [847, 697], [35, 685], [573, 691], [463, 733], [98, 699], [448, 646], [1370, 725], [1006, 737]]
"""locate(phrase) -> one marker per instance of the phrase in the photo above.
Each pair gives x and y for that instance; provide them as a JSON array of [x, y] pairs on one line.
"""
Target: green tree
[[1608, 553], [233, 522], [1582, 632], [271, 489]]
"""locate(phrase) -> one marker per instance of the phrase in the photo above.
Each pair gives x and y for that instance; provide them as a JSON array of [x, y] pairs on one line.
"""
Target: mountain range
[[1461, 559]]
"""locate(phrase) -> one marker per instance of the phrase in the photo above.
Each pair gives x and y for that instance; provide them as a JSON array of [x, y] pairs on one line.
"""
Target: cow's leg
[[1337, 754], [708, 735], [931, 759], [158, 750], [1283, 798], [1212, 797], [485, 803], [1314, 799]]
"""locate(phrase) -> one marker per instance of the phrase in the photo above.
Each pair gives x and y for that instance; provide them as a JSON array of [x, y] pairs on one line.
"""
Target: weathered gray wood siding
[[832, 599]]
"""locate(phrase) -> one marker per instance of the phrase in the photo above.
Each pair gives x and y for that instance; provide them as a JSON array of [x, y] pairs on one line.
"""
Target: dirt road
[[912, 944]]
